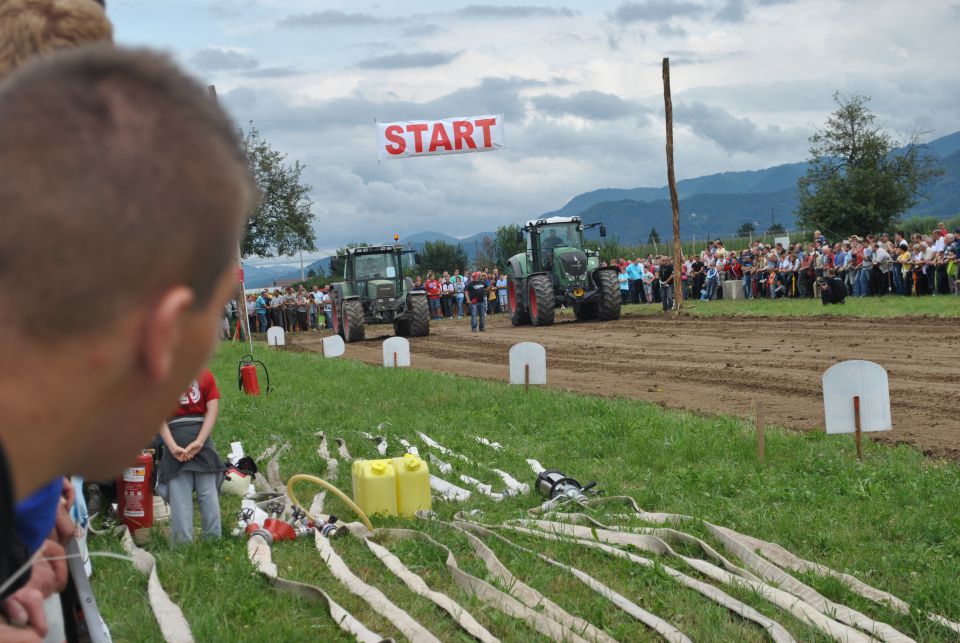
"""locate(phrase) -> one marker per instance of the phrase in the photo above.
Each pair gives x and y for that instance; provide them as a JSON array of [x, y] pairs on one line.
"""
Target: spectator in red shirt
[[432, 286], [190, 463]]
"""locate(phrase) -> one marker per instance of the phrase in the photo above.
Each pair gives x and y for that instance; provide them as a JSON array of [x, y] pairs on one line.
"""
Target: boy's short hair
[[119, 178]]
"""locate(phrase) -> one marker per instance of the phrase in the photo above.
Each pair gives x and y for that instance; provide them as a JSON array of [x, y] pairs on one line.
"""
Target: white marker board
[[852, 378], [276, 336], [527, 354], [333, 346], [396, 352]]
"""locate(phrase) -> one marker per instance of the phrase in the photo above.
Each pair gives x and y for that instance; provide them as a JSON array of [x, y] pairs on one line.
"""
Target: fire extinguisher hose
[[265, 372], [302, 477]]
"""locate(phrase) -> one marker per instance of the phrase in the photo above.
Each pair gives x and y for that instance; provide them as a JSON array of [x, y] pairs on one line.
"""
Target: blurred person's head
[[114, 167], [35, 27]]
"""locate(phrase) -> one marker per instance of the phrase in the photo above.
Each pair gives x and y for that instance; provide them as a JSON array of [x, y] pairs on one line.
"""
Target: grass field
[[892, 521], [945, 306]]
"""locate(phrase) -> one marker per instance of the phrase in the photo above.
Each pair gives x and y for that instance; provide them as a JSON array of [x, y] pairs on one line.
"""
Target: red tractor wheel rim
[[512, 296], [533, 301]]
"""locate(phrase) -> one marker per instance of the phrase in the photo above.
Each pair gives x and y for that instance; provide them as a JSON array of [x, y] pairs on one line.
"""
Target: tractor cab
[[555, 246], [375, 274], [377, 270]]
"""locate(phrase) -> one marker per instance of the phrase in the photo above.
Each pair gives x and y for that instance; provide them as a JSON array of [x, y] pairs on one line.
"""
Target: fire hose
[[173, 625], [303, 477], [744, 547], [258, 551], [834, 619], [758, 575]]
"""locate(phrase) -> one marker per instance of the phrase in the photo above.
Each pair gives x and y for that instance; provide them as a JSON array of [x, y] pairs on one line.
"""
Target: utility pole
[[672, 180], [302, 278]]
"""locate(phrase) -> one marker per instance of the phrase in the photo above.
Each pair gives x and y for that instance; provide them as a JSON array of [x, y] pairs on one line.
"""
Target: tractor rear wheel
[[419, 309], [351, 323], [542, 302], [608, 297], [518, 316]]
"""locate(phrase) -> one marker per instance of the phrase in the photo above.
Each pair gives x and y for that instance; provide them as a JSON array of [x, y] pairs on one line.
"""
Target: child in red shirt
[[432, 286], [190, 463]]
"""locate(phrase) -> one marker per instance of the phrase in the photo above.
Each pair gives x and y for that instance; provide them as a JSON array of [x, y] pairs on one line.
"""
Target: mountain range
[[712, 205]]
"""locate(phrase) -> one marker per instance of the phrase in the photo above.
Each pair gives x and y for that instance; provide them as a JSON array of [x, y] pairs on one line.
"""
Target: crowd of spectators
[[875, 265], [291, 309], [446, 292]]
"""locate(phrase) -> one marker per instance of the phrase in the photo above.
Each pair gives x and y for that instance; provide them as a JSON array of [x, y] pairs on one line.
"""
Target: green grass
[[892, 520], [942, 306]]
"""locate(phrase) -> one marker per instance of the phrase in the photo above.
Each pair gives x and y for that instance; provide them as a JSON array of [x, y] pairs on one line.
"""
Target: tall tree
[[859, 179], [654, 236], [506, 245], [776, 228], [440, 255], [487, 255], [746, 229], [282, 224]]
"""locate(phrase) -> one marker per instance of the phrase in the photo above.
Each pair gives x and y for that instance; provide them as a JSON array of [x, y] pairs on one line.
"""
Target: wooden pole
[[761, 435], [395, 360], [672, 180], [856, 420], [242, 302], [526, 377]]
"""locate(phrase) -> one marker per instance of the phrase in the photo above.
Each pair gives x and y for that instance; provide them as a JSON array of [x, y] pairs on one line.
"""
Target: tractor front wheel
[[351, 324], [419, 309], [542, 302], [608, 297]]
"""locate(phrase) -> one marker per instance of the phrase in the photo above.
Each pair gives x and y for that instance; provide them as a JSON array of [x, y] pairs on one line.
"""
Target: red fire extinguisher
[[247, 375], [135, 494]]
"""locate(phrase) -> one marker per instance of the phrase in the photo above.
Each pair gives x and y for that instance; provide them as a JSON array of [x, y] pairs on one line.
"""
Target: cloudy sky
[[578, 82]]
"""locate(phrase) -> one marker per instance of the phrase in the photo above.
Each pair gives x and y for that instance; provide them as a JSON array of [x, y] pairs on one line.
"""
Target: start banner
[[447, 136]]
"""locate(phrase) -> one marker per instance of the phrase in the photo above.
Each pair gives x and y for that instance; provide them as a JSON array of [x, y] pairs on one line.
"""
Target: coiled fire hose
[[303, 477]]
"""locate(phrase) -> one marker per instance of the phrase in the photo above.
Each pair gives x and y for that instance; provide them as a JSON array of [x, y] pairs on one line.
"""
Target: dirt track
[[718, 365]]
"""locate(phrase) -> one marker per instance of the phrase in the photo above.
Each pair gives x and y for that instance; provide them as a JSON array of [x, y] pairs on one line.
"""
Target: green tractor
[[556, 270], [374, 291]]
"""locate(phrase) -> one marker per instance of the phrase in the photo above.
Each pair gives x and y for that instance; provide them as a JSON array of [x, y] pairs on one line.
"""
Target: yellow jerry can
[[413, 485], [375, 487]]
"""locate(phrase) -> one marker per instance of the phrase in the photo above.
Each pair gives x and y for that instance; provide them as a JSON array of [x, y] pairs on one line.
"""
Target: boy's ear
[[162, 331]]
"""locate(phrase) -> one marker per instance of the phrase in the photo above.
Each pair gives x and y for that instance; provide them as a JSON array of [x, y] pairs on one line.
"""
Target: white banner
[[447, 136]]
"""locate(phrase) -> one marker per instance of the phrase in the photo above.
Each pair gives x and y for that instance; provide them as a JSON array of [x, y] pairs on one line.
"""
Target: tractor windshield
[[379, 266], [562, 234]]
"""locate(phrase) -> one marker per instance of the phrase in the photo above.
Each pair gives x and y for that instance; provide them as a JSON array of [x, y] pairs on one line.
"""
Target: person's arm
[[209, 419], [177, 451]]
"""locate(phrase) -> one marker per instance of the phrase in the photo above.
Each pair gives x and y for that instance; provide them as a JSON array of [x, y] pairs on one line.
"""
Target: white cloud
[[579, 83]]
